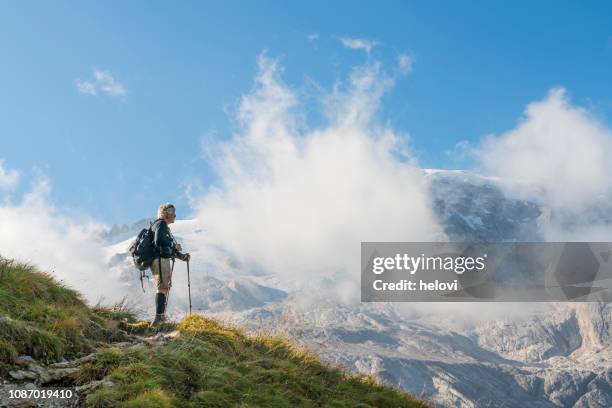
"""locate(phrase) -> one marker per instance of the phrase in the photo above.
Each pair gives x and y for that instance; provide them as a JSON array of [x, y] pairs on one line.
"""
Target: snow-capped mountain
[[552, 355]]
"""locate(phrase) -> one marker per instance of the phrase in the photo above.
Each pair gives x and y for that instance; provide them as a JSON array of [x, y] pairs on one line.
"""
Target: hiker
[[168, 249]]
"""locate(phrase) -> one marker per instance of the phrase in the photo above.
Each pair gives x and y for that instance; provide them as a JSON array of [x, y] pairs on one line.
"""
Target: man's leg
[[161, 299], [163, 286]]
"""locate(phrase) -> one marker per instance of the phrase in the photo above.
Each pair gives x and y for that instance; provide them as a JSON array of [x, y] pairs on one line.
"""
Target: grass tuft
[[120, 311], [151, 399]]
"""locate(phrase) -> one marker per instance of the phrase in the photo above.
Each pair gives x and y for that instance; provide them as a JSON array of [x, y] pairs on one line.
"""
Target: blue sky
[[179, 70]]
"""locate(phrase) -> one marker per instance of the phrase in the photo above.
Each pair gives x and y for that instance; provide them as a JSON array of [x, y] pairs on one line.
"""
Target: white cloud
[[359, 44], [87, 88], [36, 232], [8, 178], [298, 203], [404, 62], [103, 82], [462, 150], [557, 146], [312, 36], [357, 105]]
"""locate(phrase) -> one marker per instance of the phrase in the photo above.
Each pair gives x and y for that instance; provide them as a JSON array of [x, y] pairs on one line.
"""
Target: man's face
[[170, 217]]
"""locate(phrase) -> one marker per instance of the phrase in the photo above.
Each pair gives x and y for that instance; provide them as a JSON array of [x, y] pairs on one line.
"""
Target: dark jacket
[[164, 240]]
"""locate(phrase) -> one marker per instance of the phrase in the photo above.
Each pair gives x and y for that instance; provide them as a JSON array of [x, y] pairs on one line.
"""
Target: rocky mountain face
[[119, 233], [553, 355], [561, 357], [474, 208]]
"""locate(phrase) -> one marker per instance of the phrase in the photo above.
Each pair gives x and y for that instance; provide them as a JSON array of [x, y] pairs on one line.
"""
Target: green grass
[[206, 365], [209, 365], [47, 320]]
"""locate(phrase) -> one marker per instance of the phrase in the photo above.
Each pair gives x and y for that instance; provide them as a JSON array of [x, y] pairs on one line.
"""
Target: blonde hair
[[165, 209]]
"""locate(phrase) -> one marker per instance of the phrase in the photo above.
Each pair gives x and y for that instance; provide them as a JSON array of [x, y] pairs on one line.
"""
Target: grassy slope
[[44, 319], [206, 365]]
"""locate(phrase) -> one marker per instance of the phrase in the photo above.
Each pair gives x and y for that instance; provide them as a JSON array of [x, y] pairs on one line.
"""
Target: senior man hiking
[[167, 250]]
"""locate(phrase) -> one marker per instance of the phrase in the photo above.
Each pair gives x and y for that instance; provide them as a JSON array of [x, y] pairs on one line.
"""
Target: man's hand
[[183, 257], [178, 247]]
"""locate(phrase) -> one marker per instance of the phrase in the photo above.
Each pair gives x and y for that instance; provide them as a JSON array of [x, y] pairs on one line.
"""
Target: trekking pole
[[168, 293], [189, 286]]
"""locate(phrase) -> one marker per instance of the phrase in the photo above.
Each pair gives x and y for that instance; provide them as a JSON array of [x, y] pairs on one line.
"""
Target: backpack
[[143, 249]]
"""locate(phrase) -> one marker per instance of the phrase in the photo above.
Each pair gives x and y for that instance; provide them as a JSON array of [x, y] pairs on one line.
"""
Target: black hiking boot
[[159, 319], [160, 315]]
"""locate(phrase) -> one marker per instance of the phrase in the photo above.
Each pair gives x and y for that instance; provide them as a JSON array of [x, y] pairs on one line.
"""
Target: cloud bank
[[564, 152], [297, 202], [36, 232], [560, 147]]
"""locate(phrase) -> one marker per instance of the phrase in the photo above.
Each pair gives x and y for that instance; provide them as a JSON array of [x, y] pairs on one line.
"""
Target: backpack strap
[[160, 257]]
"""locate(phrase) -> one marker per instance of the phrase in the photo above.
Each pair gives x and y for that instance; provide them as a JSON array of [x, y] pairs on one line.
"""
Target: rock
[[73, 363], [173, 334], [17, 375], [89, 387], [59, 374], [122, 344], [160, 339], [38, 370], [23, 375], [24, 360], [137, 346]]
